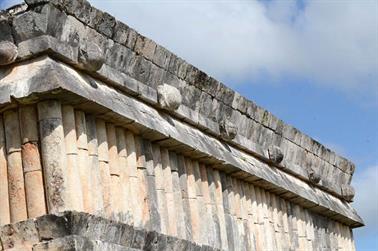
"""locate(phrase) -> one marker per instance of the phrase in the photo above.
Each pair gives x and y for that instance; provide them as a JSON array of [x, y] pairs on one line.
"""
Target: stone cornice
[[44, 78]]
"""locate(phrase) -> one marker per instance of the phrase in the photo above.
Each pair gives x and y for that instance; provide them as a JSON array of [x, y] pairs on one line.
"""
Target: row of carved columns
[[54, 158]]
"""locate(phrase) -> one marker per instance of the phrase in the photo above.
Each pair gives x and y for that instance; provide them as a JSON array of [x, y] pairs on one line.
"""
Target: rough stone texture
[[136, 147], [59, 28], [91, 57], [228, 129], [348, 192], [8, 52], [147, 116], [275, 154], [169, 97]]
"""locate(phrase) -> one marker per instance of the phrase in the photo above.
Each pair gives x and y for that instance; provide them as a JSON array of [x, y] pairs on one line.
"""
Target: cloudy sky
[[312, 63]]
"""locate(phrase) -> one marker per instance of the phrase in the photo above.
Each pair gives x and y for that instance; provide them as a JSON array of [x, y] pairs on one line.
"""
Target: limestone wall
[[54, 157]]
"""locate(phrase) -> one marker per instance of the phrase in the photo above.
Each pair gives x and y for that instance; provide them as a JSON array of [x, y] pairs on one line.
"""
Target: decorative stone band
[[68, 30], [45, 78]]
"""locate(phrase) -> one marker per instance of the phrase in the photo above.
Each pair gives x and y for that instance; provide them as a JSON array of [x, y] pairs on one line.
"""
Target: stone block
[[5, 30], [275, 154], [228, 129], [169, 97], [52, 226], [8, 52], [19, 236], [91, 56], [347, 192], [162, 57], [28, 25]]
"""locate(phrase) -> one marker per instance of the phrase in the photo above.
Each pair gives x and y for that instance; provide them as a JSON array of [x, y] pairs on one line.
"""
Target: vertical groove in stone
[[31, 161], [169, 193], [83, 165], [133, 178], [93, 166], [53, 155], [103, 159], [192, 195], [185, 197], [74, 187], [4, 208], [220, 209], [16, 187], [160, 188], [116, 193], [125, 204]]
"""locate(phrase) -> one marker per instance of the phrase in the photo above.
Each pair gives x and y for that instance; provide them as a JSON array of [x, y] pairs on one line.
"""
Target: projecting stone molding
[[96, 118]]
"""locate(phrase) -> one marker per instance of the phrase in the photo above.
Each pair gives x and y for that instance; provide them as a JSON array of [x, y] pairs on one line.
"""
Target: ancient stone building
[[108, 141]]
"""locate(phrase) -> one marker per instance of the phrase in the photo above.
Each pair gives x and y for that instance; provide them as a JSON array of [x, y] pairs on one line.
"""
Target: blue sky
[[312, 63]]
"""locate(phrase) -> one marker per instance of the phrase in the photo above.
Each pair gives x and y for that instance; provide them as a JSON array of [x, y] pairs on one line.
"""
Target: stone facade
[[96, 118]]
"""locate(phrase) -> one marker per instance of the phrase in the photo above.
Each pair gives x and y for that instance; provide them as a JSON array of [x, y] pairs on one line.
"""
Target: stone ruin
[[108, 141]]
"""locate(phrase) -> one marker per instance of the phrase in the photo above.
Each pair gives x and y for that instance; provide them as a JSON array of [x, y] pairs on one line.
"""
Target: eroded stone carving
[[275, 154], [91, 57], [313, 176], [228, 129], [169, 97], [347, 192], [8, 52]]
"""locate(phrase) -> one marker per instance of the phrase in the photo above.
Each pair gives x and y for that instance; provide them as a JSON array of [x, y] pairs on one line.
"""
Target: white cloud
[[365, 182], [333, 43]]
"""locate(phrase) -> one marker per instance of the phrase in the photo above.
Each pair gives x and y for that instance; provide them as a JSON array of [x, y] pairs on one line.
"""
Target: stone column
[[261, 243], [226, 190], [142, 198], [220, 209], [116, 193], [31, 160], [103, 159], [201, 204], [133, 177], [160, 188], [83, 161], [74, 185], [178, 198], [16, 187], [53, 155], [193, 205], [4, 209], [185, 197], [95, 185], [155, 215], [169, 193], [212, 191], [125, 205]]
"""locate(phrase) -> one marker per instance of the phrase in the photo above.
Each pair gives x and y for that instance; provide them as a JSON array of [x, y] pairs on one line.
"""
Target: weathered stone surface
[[243, 149], [169, 97], [228, 129], [8, 52], [91, 56], [275, 154], [313, 176], [348, 192]]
